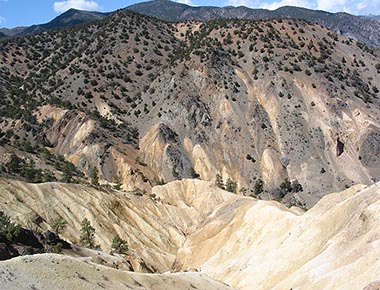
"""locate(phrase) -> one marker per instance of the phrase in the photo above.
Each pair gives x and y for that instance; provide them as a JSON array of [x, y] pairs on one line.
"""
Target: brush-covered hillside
[[278, 109]]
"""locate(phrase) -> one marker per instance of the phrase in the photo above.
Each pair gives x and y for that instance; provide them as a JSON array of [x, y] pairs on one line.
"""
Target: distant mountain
[[12, 31], [361, 28], [69, 18]]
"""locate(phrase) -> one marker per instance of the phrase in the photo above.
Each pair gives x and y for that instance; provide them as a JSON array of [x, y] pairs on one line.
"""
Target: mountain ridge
[[341, 22], [361, 28]]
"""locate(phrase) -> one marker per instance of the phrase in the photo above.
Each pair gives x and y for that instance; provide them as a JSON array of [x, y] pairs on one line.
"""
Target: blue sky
[[27, 12]]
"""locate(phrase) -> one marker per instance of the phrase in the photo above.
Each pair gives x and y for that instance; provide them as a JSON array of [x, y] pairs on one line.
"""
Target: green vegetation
[[219, 181], [87, 236], [231, 185], [259, 187], [58, 225], [94, 176], [7, 228], [119, 245]]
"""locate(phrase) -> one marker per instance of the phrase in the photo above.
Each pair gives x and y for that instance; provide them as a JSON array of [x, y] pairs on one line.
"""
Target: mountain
[[69, 18], [201, 233], [279, 109], [360, 28], [12, 31], [209, 149]]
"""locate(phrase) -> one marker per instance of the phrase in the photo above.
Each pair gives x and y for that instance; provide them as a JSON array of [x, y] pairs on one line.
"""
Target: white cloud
[[63, 6], [332, 6], [187, 2], [297, 3], [237, 3], [2, 20], [361, 6]]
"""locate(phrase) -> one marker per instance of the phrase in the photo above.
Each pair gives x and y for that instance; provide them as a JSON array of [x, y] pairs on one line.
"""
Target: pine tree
[[94, 177], [119, 245], [117, 181], [231, 185], [8, 228], [58, 225], [87, 237], [219, 181], [259, 186]]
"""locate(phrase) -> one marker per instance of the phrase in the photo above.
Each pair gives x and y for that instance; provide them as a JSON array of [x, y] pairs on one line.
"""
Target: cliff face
[[191, 225]]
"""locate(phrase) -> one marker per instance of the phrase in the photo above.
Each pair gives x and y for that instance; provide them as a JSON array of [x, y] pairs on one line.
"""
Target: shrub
[[219, 181], [8, 228], [119, 245], [259, 187], [58, 225], [231, 185]]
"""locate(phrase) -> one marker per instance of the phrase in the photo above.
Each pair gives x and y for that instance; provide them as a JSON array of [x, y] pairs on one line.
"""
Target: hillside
[[134, 102], [361, 28], [193, 226]]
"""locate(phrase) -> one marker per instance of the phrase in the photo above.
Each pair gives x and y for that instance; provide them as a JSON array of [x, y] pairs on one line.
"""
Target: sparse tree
[[94, 176], [87, 237], [119, 245], [296, 186], [259, 187], [231, 185], [67, 172], [219, 181], [117, 181], [285, 187], [58, 225], [7, 227]]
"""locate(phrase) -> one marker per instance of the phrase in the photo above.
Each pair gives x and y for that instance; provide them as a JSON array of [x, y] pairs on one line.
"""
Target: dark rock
[[339, 147], [167, 135], [7, 252]]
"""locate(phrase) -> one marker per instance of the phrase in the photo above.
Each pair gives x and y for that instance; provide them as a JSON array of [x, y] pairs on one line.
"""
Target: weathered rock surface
[[49, 271], [252, 244], [155, 226], [241, 241]]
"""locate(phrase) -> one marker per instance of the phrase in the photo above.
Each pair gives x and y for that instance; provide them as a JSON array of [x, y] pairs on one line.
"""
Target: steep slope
[[140, 102], [154, 226], [241, 241], [364, 29], [332, 246], [58, 272]]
